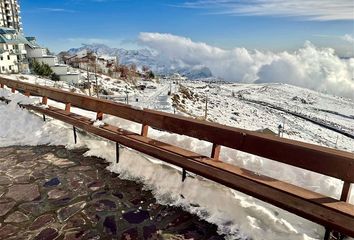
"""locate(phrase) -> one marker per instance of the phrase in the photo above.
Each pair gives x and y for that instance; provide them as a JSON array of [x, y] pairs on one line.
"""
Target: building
[[87, 60], [17, 51], [10, 15], [106, 64], [13, 54], [13, 58], [40, 54]]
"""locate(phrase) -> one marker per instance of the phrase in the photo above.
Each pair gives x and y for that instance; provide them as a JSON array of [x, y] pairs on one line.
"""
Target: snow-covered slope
[[237, 105]]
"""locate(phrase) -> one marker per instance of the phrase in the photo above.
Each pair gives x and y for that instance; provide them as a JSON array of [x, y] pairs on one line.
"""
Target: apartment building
[[13, 54], [16, 51], [10, 15], [13, 57]]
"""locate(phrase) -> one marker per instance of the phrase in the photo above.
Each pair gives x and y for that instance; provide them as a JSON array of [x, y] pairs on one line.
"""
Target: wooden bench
[[334, 214]]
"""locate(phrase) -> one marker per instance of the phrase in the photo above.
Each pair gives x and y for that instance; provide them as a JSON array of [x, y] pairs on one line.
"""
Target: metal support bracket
[[184, 174], [117, 152], [327, 235], [333, 235], [75, 135]]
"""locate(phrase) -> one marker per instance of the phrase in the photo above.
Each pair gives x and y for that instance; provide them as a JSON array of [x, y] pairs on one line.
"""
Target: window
[[8, 57], [3, 68], [10, 67], [1, 58]]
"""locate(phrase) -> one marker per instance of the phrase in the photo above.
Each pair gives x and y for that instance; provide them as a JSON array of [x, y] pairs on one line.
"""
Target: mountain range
[[146, 57]]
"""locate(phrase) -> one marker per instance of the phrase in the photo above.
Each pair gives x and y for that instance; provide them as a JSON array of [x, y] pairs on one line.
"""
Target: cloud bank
[[312, 10], [311, 67], [348, 38]]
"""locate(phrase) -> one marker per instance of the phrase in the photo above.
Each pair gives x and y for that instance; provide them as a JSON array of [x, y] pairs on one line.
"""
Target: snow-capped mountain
[[148, 58]]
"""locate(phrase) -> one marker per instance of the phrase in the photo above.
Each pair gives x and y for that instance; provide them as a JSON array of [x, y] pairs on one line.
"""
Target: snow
[[18, 127], [98, 124], [237, 215]]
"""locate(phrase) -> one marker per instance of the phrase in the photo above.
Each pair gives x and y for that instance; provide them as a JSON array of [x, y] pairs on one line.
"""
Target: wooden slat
[[345, 192], [144, 130], [331, 162], [329, 212], [44, 100], [215, 152], [99, 116], [67, 107]]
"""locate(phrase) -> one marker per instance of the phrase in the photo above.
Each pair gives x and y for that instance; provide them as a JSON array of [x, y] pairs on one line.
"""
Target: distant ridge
[[148, 58]]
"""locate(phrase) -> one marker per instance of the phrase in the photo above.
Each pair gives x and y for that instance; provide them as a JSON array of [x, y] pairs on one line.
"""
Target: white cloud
[[348, 38], [310, 67], [90, 40], [314, 10], [57, 10]]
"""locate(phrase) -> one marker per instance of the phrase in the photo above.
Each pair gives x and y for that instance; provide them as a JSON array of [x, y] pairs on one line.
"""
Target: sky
[[267, 25]]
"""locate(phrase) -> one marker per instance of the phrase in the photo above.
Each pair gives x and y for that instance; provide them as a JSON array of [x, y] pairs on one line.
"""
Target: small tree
[[46, 70], [110, 72], [151, 75], [145, 69], [36, 67], [124, 71], [132, 71], [55, 77], [41, 69], [133, 67]]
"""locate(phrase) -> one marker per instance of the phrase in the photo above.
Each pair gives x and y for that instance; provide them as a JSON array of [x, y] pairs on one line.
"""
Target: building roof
[[32, 41], [4, 30], [48, 56], [16, 38]]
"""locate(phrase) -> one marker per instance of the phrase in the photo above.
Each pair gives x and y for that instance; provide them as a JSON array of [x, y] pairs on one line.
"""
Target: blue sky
[[276, 26]]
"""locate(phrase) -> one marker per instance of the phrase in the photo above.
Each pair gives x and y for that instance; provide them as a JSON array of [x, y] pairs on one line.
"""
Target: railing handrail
[[323, 160]]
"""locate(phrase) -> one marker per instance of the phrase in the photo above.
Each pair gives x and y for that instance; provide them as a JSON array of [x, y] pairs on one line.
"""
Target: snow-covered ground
[[228, 105], [237, 215]]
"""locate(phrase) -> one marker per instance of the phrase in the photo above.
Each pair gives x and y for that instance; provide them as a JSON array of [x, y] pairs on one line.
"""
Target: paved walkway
[[52, 193]]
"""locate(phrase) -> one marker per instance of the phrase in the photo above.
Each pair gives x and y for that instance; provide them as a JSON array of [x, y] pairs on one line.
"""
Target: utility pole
[[95, 62], [206, 107], [88, 76], [126, 91], [96, 81]]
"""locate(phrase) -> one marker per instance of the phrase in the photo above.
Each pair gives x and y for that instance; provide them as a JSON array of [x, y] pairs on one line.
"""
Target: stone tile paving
[[51, 193]]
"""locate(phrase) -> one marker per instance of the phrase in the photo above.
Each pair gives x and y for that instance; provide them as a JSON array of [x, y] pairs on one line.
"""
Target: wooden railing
[[331, 213]]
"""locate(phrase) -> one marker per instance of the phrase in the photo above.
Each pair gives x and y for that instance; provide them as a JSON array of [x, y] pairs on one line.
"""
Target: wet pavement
[[51, 193]]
